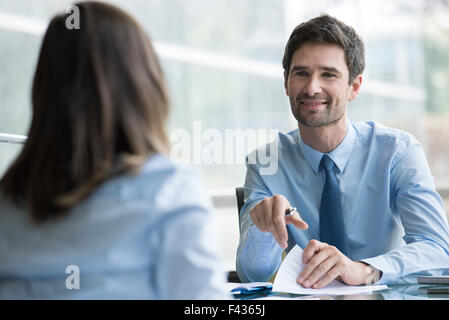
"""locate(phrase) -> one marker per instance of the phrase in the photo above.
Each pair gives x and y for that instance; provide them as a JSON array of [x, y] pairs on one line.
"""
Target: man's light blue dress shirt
[[394, 219], [146, 236]]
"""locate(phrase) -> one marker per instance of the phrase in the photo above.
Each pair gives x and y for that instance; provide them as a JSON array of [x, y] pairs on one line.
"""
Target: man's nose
[[313, 87]]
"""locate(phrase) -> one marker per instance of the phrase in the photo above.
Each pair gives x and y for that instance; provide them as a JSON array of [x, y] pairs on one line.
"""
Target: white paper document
[[292, 266]]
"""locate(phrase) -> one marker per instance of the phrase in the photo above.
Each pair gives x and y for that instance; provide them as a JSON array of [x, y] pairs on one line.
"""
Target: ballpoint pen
[[289, 211], [293, 230]]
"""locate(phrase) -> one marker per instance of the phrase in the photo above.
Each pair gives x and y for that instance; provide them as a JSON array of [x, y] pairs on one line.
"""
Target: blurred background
[[222, 61]]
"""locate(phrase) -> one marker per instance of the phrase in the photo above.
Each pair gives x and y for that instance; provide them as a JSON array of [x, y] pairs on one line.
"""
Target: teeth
[[312, 103]]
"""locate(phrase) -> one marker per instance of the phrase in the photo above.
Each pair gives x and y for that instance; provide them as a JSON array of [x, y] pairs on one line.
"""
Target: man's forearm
[[258, 255], [402, 265]]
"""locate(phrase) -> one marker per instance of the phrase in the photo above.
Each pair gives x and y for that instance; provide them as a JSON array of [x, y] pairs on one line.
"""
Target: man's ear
[[286, 83], [355, 87]]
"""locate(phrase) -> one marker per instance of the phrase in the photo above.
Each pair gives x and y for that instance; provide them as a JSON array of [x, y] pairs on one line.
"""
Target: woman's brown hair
[[99, 109]]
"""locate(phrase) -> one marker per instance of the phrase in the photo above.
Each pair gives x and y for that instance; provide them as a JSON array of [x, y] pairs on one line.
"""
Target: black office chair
[[239, 192]]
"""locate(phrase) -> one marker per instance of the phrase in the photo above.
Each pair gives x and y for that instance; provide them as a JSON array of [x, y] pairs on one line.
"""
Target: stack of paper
[[292, 266]]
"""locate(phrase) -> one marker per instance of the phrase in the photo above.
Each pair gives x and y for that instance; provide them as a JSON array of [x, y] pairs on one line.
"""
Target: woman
[[92, 208]]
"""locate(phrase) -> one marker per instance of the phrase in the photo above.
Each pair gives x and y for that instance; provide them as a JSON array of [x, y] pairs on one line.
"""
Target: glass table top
[[394, 292]]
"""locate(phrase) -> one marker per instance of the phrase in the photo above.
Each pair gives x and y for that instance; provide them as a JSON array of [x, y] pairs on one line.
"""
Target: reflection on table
[[394, 292]]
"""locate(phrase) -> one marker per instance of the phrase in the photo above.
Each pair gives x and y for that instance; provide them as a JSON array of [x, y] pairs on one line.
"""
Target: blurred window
[[222, 61]]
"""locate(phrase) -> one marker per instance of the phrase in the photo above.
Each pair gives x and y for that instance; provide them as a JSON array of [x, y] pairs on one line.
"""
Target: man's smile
[[313, 104]]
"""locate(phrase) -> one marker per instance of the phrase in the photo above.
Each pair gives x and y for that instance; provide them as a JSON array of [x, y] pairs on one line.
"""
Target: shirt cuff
[[382, 263]]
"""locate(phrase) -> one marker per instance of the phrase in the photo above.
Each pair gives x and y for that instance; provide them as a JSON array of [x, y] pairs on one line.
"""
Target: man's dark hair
[[327, 29]]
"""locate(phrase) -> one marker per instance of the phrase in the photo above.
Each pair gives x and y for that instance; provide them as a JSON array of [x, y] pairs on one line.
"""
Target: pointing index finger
[[279, 223]]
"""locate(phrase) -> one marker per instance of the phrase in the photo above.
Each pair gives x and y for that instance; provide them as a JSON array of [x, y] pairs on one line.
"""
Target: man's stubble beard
[[327, 118]]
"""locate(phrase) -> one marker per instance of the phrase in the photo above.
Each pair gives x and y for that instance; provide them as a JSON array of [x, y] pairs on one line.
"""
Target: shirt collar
[[339, 155]]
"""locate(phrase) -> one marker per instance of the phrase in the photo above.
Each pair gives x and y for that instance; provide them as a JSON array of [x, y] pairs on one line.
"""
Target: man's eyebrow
[[298, 68], [331, 69], [325, 68]]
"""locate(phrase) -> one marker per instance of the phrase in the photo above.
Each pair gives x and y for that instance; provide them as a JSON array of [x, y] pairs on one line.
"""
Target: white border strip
[[22, 24], [220, 61], [209, 59], [12, 138]]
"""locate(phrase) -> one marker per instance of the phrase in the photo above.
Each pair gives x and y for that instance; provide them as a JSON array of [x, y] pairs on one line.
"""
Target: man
[[368, 209]]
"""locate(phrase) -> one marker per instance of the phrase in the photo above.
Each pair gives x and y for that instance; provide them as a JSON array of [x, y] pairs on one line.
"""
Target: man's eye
[[301, 74], [329, 75]]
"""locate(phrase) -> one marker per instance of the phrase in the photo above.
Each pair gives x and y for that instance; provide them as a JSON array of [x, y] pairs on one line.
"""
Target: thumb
[[296, 220]]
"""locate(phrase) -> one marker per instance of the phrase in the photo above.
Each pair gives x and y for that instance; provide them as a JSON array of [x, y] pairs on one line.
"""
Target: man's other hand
[[325, 263]]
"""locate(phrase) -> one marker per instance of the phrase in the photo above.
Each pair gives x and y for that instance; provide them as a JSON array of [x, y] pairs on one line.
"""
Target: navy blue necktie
[[332, 229]]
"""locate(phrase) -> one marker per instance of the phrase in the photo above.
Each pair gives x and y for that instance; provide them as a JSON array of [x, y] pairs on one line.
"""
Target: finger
[[265, 215], [279, 227], [254, 214], [311, 267], [279, 235], [296, 220], [258, 215], [276, 237], [331, 275], [320, 271], [312, 247]]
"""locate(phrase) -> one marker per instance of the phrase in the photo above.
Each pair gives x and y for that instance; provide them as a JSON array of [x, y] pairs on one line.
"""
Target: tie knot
[[327, 163]]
